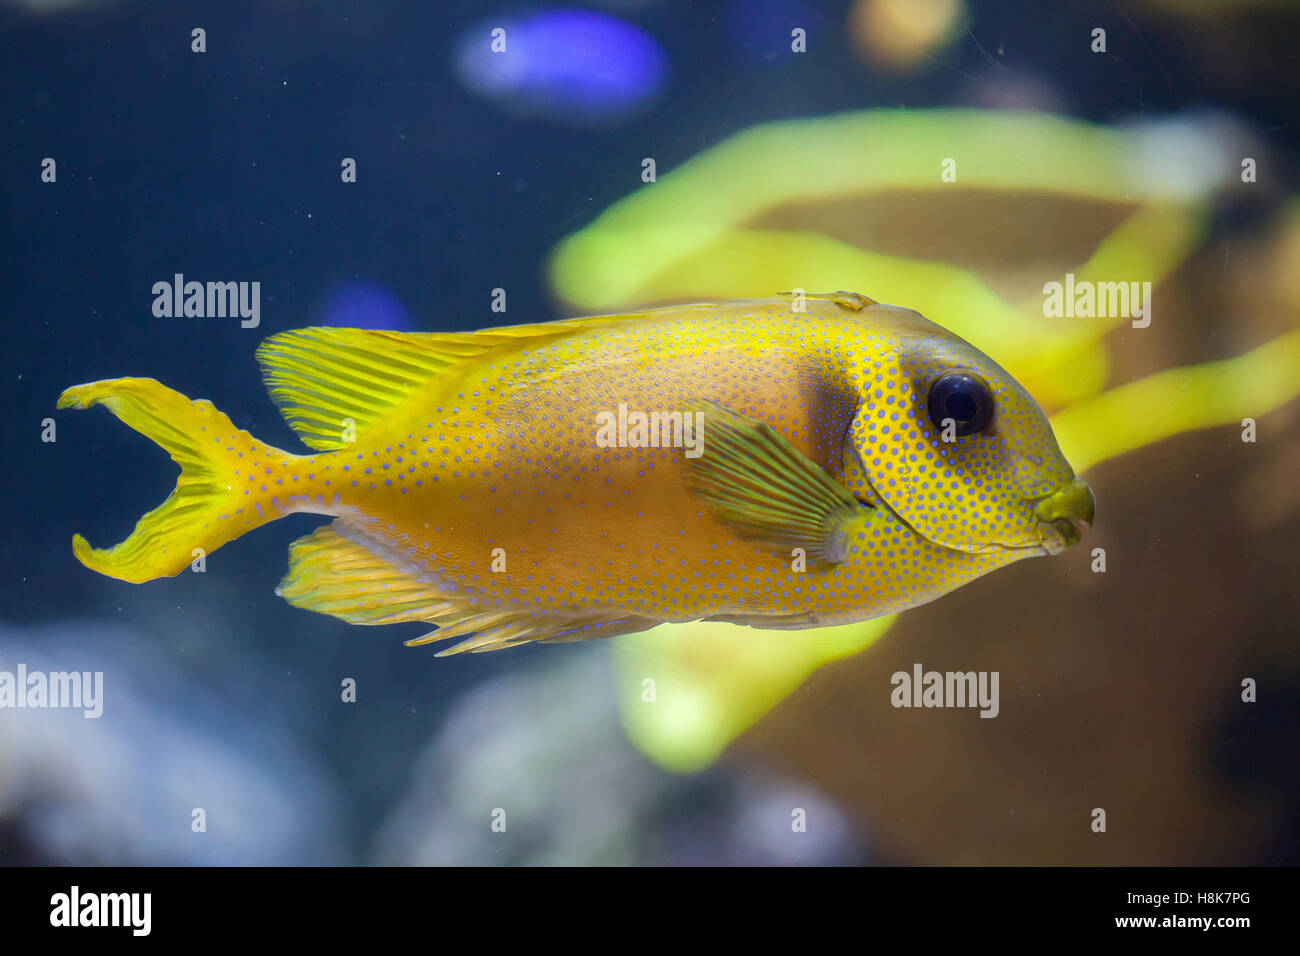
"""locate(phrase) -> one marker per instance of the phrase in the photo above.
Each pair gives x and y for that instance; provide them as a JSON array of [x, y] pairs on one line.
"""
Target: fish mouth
[[1064, 514], [1062, 517]]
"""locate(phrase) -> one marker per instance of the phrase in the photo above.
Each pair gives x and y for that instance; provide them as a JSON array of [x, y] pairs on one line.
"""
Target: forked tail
[[218, 496]]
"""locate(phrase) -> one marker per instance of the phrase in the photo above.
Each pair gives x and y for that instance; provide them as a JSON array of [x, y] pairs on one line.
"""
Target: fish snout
[[1064, 515]]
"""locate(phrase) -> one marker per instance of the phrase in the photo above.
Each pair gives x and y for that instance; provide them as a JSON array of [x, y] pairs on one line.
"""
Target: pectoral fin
[[756, 482]]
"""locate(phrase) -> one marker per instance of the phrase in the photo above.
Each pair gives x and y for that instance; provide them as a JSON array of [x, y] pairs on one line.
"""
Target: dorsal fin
[[322, 377]]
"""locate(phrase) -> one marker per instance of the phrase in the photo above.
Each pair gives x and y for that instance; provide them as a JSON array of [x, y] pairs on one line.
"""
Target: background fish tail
[[212, 502]]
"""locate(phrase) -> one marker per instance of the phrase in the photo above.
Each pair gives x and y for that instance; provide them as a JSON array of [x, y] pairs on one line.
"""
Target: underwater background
[[792, 144]]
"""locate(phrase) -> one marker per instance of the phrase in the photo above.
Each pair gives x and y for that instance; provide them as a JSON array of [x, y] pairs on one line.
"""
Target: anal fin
[[336, 570], [331, 573], [497, 630]]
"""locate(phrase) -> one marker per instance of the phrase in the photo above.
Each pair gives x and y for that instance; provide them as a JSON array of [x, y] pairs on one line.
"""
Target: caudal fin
[[213, 502]]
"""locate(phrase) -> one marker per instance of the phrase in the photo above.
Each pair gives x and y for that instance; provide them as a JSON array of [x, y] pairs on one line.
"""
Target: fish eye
[[963, 397]]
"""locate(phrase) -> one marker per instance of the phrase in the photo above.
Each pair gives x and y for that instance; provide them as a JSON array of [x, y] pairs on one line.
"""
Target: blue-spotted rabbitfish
[[783, 463]]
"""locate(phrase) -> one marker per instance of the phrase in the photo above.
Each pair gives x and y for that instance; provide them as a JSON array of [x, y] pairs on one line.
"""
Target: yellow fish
[[785, 463]]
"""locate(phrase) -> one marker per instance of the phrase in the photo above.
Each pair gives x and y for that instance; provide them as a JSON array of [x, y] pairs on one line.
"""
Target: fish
[[791, 462]]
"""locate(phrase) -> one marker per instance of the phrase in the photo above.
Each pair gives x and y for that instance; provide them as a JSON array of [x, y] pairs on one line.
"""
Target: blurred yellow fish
[[784, 463]]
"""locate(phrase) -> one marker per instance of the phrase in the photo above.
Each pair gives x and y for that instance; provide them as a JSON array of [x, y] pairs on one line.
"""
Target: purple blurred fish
[[578, 67], [364, 305]]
